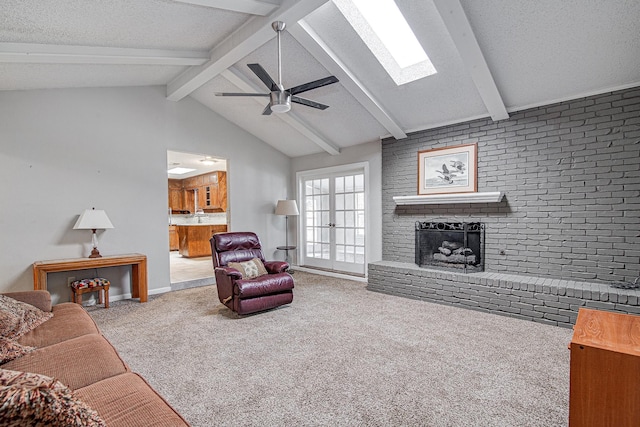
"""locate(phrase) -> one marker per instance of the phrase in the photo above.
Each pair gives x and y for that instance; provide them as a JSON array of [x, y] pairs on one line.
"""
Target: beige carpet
[[343, 356]]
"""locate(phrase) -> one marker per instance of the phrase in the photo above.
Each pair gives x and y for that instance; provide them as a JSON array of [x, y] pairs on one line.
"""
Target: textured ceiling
[[492, 57]]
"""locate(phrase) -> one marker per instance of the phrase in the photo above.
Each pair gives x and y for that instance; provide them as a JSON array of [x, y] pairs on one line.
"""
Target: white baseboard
[[328, 273], [128, 296]]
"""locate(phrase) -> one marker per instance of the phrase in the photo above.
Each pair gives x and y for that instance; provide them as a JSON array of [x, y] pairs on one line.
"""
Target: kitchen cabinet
[[211, 190], [194, 239], [604, 370], [174, 243], [176, 195], [215, 191]]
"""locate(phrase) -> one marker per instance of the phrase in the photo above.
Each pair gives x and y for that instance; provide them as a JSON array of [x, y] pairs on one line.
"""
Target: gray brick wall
[[571, 175]]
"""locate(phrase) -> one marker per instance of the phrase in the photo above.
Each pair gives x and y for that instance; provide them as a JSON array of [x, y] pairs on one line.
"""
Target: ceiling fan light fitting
[[280, 102]]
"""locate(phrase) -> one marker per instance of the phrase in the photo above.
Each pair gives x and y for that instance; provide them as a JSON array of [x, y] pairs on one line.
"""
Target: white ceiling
[[493, 57], [193, 161]]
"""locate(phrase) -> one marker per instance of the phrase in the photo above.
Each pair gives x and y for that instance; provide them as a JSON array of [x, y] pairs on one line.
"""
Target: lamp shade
[[287, 207], [93, 219]]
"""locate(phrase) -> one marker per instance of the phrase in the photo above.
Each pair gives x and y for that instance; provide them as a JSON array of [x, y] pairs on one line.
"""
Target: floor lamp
[[287, 208]]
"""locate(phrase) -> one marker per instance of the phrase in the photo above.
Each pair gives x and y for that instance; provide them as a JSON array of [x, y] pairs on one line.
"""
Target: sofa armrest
[[274, 267], [39, 298]]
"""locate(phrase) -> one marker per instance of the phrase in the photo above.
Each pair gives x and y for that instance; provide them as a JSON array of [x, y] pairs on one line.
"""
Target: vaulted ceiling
[[492, 57]]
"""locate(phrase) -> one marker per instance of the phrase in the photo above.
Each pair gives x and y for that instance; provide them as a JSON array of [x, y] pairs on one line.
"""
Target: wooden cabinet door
[[189, 200], [221, 193], [202, 195], [176, 195], [175, 199]]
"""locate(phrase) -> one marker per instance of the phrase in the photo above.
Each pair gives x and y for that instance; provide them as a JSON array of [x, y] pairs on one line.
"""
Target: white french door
[[333, 220]]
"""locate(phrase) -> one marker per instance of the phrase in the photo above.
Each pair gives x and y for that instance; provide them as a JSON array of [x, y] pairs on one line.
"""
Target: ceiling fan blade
[[313, 85], [267, 110], [239, 94], [264, 76], [308, 103]]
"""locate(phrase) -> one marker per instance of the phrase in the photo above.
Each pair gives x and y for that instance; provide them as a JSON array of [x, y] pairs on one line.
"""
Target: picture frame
[[448, 170]]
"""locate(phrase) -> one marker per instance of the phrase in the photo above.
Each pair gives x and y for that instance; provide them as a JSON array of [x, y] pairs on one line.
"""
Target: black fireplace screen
[[455, 246]]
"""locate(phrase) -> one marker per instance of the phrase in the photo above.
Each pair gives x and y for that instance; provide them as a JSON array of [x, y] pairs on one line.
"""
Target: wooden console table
[[138, 263]]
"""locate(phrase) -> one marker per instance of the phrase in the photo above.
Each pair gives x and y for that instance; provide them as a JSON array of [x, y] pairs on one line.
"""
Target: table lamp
[[93, 219]]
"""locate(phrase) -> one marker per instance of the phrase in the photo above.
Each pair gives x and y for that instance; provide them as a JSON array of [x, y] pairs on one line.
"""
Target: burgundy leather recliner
[[246, 296]]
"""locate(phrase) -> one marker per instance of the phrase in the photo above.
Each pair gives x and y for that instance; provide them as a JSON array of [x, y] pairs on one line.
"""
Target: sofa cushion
[[127, 400], [38, 400], [69, 321], [17, 318], [76, 362], [249, 269], [10, 349]]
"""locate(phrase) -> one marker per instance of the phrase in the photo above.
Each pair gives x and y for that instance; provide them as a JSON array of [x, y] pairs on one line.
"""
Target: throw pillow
[[249, 269], [9, 350], [38, 400], [17, 317]]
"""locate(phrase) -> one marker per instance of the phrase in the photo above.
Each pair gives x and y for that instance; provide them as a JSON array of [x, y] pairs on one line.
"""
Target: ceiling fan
[[282, 98]]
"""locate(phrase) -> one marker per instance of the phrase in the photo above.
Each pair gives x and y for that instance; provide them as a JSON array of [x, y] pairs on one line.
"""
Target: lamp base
[[95, 253]]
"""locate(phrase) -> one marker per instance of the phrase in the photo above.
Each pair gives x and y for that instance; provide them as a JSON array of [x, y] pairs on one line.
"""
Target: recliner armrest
[[274, 267], [229, 271]]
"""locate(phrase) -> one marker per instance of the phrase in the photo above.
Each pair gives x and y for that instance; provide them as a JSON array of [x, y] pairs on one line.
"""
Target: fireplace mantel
[[443, 199]]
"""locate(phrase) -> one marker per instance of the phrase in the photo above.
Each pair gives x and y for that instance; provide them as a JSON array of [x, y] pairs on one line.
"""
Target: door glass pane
[[359, 185], [339, 202], [348, 184], [325, 218], [340, 184], [349, 201], [349, 219], [326, 251], [325, 202], [324, 186]]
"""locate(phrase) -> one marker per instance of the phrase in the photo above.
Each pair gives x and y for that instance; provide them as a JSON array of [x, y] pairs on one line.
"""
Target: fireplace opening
[[455, 246]]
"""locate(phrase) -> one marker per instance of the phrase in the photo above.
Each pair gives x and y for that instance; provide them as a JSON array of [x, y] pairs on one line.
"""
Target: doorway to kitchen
[[198, 208], [334, 218]]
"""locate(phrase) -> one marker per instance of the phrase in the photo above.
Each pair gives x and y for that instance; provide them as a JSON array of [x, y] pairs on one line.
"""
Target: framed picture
[[448, 170]]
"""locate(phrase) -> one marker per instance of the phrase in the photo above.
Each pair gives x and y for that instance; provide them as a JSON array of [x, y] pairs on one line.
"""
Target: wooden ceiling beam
[[457, 24], [239, 44], [252, 7], [314, 44], [59, 54]]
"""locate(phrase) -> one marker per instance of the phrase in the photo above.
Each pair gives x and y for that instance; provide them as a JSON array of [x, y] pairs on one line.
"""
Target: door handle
[[331, 224]]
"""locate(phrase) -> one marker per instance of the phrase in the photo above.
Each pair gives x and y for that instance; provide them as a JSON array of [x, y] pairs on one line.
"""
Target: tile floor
[[184, 269]]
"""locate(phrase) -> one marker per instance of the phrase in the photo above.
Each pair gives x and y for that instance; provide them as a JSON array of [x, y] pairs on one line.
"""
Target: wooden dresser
[[605, 370]]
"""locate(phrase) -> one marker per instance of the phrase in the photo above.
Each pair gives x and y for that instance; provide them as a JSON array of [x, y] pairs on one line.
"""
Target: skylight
[[384, 30], [180, 171]]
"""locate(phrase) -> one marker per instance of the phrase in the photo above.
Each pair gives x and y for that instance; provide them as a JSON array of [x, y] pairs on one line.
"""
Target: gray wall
[[368, 153], [571, 175], [64, 151]]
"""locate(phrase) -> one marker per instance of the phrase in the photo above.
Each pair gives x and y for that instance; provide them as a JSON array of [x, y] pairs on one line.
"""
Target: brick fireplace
[[566, 228]]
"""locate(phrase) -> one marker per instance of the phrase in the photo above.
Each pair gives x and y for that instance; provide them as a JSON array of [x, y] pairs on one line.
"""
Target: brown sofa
[[71, 349]]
